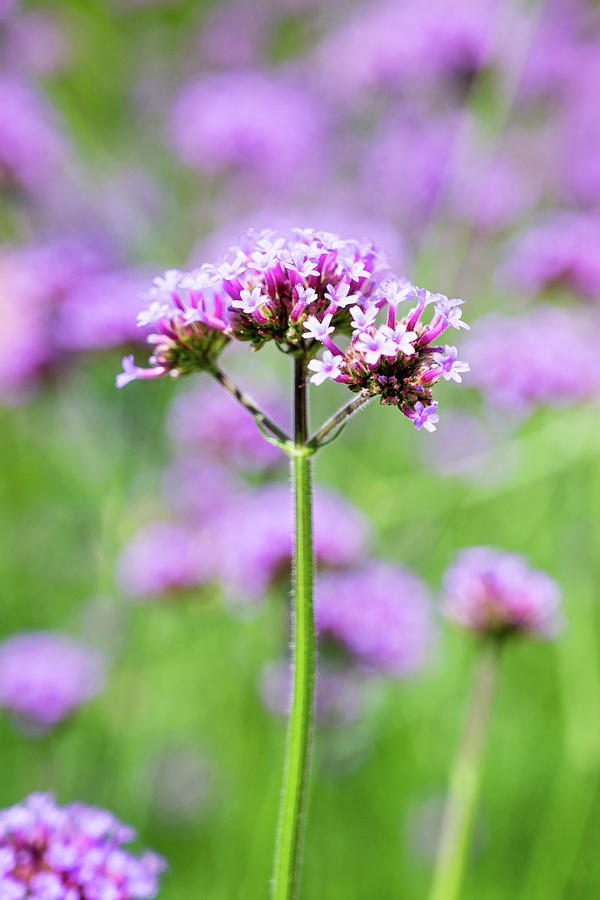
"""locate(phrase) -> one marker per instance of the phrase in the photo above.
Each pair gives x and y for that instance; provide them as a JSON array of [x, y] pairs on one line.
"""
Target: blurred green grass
[[79, 466]]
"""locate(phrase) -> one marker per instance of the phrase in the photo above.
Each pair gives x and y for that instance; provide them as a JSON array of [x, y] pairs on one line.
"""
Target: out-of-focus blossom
[[541, 357], [99, 311], [561, 252], [379, 613], [339, 694], [46, 676], [255, 538], [30, 301], [494, 592], [165, 557], [36, 42], [49, 852], [209, 421], [406, 166], [397, 48], [235, 34], [31, 145], [261, 125], [180, 788], [198, 488], [469, 448]]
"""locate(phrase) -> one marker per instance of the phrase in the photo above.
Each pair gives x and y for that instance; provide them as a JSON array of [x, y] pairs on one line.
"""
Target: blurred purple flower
[[255, 538], [518, 361], [339, 693], [31, 145], [560, 252], [166, 557], [99, 311], [491, 591], [199, 488], [380, 614], [74, 852], [263, 125], [208, 420], [46, 676]]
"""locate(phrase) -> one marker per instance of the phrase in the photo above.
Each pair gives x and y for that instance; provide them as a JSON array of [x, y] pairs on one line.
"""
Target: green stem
[[292, 809], [338, 421], [260, 417], [465, 777]]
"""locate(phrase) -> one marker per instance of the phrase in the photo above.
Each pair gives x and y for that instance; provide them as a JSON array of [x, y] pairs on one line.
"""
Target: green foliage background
[[81, 465]]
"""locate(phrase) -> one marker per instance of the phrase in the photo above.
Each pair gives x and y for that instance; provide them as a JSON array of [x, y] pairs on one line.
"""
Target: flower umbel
[[74, 852]]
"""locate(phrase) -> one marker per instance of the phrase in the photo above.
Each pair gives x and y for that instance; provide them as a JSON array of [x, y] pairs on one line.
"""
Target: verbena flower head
[[380, 614], [303, 291], [189, 317], [74, 852], [494, 592], [46, 676]]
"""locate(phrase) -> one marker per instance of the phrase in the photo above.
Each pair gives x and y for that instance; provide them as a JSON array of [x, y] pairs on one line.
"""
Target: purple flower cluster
[[380, 613], [561, 252], [494, 592], [265, 123], [74, 852], [298, 292], [46, 676], [543, 356]]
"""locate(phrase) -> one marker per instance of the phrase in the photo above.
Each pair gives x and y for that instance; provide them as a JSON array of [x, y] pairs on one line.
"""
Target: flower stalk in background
[[495, 595], [301, 292]]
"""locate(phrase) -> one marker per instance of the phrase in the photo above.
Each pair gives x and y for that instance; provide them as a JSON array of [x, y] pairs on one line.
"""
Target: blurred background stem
[[292, 810], [465, 776]]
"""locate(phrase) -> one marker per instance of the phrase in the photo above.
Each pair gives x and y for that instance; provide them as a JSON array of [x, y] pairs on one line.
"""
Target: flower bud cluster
[[396, 360], [74, 852]]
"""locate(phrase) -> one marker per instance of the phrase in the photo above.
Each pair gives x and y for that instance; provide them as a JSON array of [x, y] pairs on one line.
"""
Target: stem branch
[[292, 810], [338, 420], [248, 403], [465, 777]]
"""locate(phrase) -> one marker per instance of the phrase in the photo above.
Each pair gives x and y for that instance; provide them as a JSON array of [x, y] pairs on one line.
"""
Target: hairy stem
[[248, 403], [292, 809], [338, 420], [465, 777]]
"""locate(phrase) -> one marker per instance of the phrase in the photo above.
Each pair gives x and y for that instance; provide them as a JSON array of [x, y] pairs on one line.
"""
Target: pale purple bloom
[[362, 319], [45, 676], [379, 613], [540, 357], [99, 311], [73, 852], [326, 367], [495, 592], [451, 367], [262, 124], [561, 252], [254, 538], [340, 294], [425, 416], [319, 330], [400, 338], [250, 301], [306, 295], [166, 557], [374, 345], [450, 313], [153, 313], [31, 146]]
